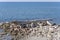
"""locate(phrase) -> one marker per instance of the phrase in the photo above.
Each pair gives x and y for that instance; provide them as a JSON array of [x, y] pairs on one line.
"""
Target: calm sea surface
[[29, 10]]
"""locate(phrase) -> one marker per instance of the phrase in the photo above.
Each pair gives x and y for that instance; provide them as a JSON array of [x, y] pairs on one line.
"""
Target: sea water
[[29, 10]]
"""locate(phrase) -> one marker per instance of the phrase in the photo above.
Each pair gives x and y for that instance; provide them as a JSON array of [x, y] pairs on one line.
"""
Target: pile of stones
[[17, 33]]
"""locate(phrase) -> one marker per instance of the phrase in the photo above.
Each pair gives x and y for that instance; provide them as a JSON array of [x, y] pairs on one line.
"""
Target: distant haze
[[29, 0]]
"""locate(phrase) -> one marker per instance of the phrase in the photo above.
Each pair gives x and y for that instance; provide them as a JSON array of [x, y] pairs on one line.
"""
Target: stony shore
[[30, 30]]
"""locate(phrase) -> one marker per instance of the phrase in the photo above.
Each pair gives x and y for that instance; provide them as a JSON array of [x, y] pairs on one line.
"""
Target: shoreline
[[30, 29]]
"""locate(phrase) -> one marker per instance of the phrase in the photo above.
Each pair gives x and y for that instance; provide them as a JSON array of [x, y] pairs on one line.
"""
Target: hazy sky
[[30, 0]]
